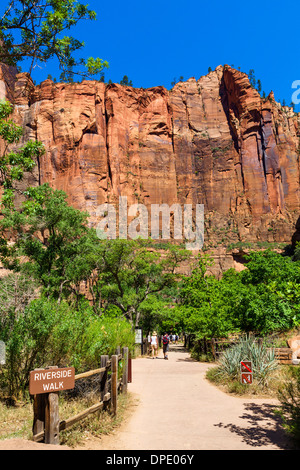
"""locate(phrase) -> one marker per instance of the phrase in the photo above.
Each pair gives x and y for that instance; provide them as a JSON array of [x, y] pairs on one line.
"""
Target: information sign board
[[138, 336]]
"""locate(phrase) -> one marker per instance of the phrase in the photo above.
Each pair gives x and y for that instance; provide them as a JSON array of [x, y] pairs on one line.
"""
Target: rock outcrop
[[294, 344], [212, 141]]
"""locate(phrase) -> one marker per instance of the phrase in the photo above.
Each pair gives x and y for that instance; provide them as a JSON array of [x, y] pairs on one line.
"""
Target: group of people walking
[[166, 340]]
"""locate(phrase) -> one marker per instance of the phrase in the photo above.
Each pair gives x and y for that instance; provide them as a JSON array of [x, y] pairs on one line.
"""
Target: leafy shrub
[[16, 291], [289, 396], [52, 333]]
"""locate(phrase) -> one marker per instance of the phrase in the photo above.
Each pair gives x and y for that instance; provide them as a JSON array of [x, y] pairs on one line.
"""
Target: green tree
[[14, 161], [204, 310], [266, 266], [259, 87], [272, 283], [50, 234], [35, 30], [130, 272], [252, 78], [173, 83], [263, 298], [125, 81]]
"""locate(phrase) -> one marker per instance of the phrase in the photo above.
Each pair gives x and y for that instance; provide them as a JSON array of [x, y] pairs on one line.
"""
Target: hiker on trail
[[154, 344], [166, 341]]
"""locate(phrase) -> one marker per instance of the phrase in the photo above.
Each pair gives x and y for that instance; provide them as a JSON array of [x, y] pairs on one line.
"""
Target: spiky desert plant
[[263, 360]]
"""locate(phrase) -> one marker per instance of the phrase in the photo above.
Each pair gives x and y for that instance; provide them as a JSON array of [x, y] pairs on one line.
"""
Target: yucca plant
[[263, 360]]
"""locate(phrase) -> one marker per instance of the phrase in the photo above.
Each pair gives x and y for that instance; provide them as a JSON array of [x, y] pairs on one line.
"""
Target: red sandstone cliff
[[213, 141]]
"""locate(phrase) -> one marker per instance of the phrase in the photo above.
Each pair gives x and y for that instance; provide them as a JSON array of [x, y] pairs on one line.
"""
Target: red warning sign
[[246, 378], [246, 372]]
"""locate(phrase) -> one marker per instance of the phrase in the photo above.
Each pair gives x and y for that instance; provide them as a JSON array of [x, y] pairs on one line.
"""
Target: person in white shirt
[[154, 344]]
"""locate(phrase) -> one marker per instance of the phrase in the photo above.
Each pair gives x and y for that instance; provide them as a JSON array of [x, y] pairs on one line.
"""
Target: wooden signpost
[[45, 384]]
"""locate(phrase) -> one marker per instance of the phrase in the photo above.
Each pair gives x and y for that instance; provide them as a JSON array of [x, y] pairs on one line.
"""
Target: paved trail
[[179, 409]]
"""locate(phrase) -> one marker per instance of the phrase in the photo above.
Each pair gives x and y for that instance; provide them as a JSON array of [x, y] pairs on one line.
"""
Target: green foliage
[[289, 396], [174, 81], [50, 234], [272, 280], [263, 298], [34, 30], [131, 271], [296, 254], [16, 292], [14, 163], [204, 309], [102, 336], [51, 333], [61, 252], [125, 81]]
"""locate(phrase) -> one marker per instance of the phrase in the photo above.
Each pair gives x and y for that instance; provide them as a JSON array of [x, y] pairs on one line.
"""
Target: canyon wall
[[212, 141]]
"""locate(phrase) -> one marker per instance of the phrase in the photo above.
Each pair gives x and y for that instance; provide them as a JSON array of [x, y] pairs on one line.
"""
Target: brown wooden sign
[[51, 380]]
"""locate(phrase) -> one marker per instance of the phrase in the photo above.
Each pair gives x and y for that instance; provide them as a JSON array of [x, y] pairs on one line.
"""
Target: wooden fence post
[[46, 424], [125, 369], [213, 348], [52, 417], [114, 383], [39, 404], [103, 384], [129, 378]]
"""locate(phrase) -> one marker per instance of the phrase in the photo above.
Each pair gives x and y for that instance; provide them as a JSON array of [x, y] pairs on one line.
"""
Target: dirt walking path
[[178, 409]]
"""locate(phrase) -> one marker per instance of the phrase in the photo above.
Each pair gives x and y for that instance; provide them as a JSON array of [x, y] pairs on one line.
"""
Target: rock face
[[212, 141], [294, 344]]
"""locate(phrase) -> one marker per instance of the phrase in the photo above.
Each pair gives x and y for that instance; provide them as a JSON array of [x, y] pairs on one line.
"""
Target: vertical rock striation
[[213, 141]]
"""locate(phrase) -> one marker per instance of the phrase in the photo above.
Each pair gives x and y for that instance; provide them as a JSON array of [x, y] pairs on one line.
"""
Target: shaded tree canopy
[[35, 30]]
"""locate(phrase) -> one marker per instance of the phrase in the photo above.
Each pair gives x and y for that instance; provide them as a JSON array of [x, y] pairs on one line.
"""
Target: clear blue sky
[[153, 42]]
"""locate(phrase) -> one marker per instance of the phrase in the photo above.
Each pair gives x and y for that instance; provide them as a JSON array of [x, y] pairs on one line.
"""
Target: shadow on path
[[255, 433], [179, 348]]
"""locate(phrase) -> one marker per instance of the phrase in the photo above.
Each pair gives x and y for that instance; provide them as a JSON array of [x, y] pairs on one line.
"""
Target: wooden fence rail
[[217, 346], [46, 423]]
